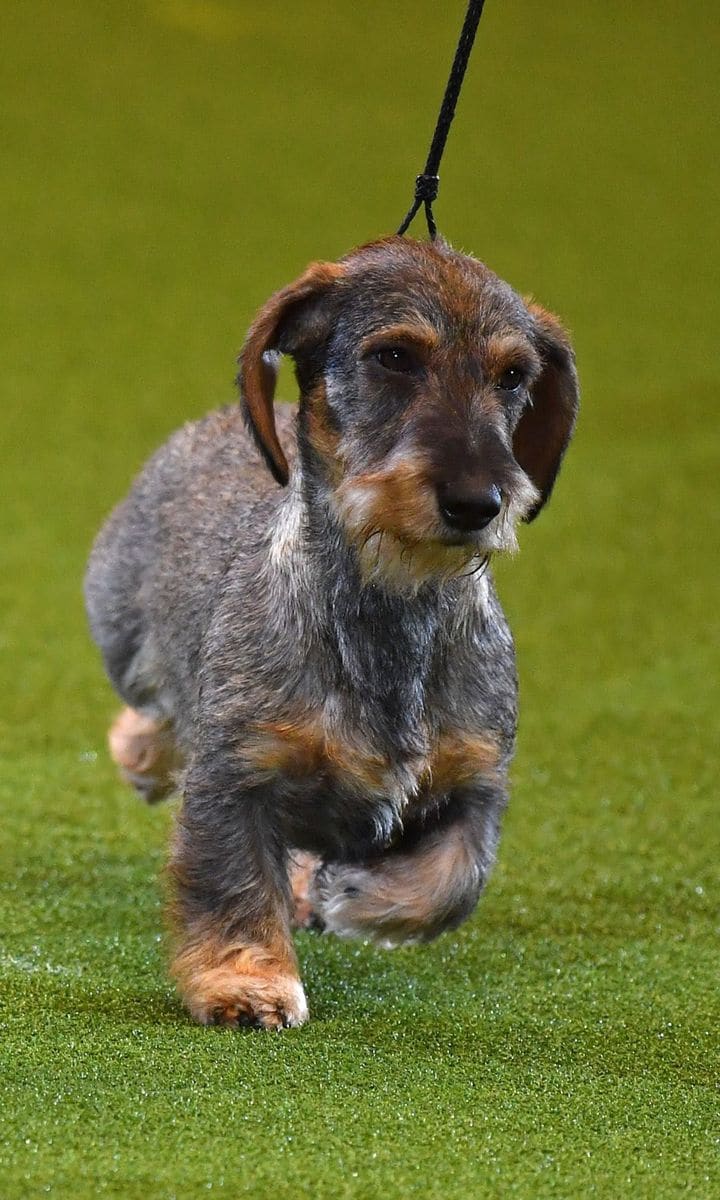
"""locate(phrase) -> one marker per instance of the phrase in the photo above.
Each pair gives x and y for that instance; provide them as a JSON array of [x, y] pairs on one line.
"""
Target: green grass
[[166, 165]]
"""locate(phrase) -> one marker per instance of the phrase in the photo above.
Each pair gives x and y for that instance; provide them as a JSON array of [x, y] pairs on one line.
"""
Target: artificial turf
[[166, 165]]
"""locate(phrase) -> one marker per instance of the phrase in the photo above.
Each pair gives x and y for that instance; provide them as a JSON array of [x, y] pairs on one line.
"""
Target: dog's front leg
[[423, 886], [235, 963]]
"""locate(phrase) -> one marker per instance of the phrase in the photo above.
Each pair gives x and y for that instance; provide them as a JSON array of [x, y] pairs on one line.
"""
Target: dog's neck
[[384, 642]]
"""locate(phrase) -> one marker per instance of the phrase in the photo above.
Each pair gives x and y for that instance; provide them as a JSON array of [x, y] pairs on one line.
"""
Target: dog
[[322, 668]]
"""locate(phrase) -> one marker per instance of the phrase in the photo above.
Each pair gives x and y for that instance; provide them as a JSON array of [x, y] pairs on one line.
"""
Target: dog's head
[[435, 408]]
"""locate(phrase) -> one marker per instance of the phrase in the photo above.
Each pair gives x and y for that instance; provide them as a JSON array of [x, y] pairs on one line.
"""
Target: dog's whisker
[[479, 569], [374, 533]]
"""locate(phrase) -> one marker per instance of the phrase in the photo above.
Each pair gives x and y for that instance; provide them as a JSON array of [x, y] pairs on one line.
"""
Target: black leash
[[427, 184]]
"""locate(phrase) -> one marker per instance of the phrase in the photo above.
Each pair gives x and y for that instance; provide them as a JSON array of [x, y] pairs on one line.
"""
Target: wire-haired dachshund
[[322, 668]]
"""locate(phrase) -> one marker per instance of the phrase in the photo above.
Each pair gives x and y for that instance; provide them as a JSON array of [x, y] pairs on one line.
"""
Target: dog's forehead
[[400, 279]]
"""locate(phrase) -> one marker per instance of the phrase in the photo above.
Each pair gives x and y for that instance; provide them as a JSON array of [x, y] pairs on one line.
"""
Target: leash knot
[[426, 185], [426, 188]]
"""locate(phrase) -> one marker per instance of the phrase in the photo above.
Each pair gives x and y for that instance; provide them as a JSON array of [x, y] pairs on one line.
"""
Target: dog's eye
[[511, 379], [395, 358]]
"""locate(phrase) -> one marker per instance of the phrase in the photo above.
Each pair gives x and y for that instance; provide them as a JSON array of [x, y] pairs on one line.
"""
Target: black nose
[[467, 507]]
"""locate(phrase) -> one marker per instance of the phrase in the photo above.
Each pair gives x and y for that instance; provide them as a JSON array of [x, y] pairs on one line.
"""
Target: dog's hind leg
[[303, 868], [144, 749]]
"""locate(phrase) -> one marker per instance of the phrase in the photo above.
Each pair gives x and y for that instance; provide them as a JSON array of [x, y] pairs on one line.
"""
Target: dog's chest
[[322, 753], [377, 733]]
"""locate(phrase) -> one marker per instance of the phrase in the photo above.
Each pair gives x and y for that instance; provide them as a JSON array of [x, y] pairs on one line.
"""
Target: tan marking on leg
[[234, 982], [145, 751], [302, 872]]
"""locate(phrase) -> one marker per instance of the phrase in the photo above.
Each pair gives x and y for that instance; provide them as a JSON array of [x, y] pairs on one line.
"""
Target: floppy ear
[[285, 324], [545, 427]]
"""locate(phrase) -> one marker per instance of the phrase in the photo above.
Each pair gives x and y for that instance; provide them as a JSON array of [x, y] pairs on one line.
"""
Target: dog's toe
[[237, 1001]]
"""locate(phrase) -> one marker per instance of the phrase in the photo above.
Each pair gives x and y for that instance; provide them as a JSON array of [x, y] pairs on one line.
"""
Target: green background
[[166, 165]]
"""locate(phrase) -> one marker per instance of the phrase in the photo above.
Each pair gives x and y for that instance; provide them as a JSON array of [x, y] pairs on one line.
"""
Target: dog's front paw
[[248, 987], [228, 998]]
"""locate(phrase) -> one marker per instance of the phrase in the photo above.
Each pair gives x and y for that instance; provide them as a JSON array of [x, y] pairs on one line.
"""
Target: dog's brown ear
[[288, 322], [545, 428]]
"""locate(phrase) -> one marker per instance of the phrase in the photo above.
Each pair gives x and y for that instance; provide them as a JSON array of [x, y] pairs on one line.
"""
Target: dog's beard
[[408, 546], [517, 503]]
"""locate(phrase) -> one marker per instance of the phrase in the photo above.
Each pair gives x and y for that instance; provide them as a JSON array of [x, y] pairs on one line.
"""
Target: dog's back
[[203, 499]]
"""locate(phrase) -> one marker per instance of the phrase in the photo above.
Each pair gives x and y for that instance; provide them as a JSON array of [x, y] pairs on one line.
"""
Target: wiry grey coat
[[324, 669]]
